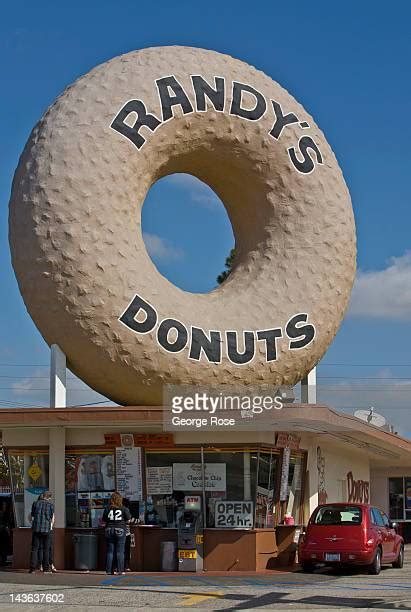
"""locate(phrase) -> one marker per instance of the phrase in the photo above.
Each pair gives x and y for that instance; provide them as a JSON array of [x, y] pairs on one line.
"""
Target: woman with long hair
[[115, 517]]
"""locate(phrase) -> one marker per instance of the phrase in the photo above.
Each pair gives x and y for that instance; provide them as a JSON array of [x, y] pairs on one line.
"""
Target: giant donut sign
[[77, 245]]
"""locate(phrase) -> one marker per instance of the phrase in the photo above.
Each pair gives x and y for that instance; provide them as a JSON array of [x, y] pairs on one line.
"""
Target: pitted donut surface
[[76, 238]]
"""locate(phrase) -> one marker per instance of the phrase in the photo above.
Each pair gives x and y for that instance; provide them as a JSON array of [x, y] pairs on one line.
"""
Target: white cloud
[[34, 390], [384, 293], [388, 395], [196, 189], [158, 248], [25, 385]]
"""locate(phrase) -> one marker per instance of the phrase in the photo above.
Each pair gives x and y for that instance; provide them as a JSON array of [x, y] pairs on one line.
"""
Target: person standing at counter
[[115, 517], [42, 514]]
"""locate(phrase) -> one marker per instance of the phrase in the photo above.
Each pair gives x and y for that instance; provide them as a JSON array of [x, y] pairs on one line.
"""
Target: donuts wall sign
[[77, 244], [142, 318], [171, 94]]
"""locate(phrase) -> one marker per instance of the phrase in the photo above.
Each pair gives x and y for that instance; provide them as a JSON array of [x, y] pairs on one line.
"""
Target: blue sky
[[347, 63]]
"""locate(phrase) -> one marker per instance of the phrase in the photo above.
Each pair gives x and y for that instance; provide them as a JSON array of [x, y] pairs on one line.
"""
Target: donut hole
[[186, 231]]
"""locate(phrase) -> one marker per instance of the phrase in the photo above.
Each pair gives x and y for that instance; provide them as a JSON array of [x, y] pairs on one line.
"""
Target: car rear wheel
[[375, 566], [307, 567], [399, 562]]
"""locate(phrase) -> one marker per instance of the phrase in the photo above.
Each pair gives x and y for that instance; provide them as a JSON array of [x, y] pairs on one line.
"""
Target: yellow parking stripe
[[192, 599]]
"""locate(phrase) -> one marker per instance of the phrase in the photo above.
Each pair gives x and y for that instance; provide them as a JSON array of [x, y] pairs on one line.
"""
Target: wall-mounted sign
[[157, 439], [286, 439], [285, 469], [34, 471], [160, 439], [358, 490], [188, 477], [322, 491], [159, 480], [129, 472], [191, 100], [127, 440], [234, 514]]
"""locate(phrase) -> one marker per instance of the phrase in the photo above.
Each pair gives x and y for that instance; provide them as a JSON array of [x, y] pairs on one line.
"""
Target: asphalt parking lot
[[323, 590]]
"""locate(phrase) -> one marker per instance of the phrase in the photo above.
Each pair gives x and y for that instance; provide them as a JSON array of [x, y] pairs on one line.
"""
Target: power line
[[22, 377], [23, 389], [24, 365], [362, 378], [368, 365]]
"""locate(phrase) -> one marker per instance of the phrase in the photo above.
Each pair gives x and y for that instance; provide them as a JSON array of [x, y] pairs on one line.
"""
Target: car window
[[385, 519], [338, 515], [376, 517]]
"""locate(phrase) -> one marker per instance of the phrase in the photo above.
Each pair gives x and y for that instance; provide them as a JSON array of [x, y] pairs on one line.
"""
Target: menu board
[[129, 472], [159, 480]]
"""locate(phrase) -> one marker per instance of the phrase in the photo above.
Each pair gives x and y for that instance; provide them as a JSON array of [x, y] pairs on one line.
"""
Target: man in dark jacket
[[42, 516]]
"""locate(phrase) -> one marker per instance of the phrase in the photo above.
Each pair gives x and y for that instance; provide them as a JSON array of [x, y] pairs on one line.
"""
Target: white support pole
[[247, 474], [309, 388], [57, 449], [57, 377]]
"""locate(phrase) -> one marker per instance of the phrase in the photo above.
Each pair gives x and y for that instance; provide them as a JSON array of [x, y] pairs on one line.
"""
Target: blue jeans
[[115, 542], [40, 550]]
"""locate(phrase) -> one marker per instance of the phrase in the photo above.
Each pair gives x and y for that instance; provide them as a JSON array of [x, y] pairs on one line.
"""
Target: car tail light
[[370, 542]]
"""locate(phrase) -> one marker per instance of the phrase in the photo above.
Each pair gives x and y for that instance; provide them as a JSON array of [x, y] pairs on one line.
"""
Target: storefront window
[[295, 488], [170, 476], [90, 480], [291, 487], [267, 473], [231, 475], [29, 471], [235, 478], [396, 497]]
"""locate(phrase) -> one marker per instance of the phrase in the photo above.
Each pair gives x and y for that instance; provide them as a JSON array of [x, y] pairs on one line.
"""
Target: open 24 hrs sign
[[234, 514]]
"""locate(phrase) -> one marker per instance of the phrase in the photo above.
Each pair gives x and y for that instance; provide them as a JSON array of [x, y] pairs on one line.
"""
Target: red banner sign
[[286, 439], [161, 439]]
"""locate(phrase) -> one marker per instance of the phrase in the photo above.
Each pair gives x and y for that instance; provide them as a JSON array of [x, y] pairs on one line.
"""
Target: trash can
[[85, 551], [168, 556]]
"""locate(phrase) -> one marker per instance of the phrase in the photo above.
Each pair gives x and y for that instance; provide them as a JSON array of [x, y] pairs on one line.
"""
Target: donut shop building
[[276, 477], [94, 293]]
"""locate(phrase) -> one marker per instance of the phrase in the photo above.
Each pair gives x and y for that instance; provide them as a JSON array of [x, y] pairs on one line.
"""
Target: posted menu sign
[[129, 472], [159, 480]]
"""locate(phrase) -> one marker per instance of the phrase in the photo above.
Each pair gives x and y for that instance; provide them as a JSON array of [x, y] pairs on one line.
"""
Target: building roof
[[319, 420]]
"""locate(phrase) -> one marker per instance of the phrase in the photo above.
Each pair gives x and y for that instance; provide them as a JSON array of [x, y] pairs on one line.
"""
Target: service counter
[[224, 549]]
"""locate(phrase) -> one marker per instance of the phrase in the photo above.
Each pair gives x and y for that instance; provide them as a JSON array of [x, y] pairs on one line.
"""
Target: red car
[[350, 534]]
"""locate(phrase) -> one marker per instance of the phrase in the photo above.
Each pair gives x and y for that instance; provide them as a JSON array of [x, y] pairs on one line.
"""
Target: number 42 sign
[[234, 514]]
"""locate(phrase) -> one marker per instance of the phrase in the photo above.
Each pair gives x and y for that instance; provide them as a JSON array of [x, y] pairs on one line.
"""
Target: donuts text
[[173, 336]]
